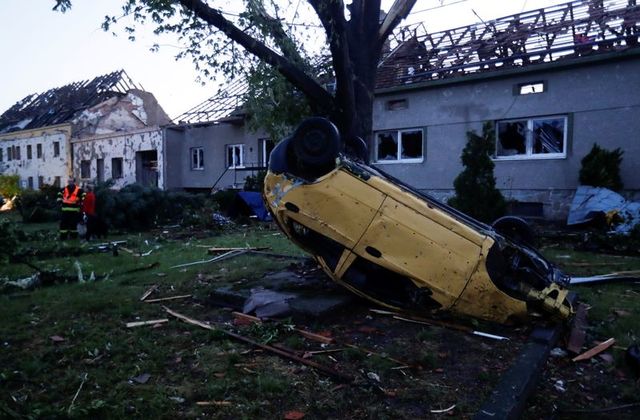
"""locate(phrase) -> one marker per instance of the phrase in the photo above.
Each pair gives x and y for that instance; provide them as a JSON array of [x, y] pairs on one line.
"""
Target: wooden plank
[[595, 350], [148, 292], [215, 250], [314, 336], [167, 298], [150, 322]]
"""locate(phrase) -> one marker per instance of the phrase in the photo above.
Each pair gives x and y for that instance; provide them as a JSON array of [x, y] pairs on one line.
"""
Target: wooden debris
[[56, 339], [150, 322], [148, 292], [595, 350], [578, 330], [84, 378], [214, 403], [216, 250], [331, 372], [229, 254], [167, 298], [247, 317], [620, 276], [314, 336]]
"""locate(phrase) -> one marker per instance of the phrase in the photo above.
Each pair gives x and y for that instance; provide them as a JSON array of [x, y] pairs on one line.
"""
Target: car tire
[[315, 145], [515, 229]]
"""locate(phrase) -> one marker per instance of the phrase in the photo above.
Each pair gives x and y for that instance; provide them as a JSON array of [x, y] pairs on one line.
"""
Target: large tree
[[354, 35]]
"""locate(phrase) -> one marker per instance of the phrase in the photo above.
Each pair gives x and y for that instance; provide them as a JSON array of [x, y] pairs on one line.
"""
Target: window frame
[[529, 155], [56, 149], [264, 155], [232, 165], [86, 163], [398, 134], [199, 165], [121, 164], [29, 152], [39, 151]]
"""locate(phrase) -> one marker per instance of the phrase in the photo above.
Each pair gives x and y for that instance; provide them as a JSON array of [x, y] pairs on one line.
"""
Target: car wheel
[[315, 145], [516, 229]]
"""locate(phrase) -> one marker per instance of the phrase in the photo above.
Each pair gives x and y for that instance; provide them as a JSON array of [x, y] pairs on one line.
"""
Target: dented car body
[[398, 247]]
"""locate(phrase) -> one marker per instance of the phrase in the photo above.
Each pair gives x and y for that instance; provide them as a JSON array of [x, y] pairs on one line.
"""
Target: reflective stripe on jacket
[[71, 198]]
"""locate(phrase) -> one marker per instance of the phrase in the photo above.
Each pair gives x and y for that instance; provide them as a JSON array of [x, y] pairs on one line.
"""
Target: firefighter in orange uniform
[[70, 198]]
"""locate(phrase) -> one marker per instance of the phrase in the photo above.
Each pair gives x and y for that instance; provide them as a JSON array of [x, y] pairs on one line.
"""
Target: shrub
[[476, 192], [38, 206], [255, 182], [9, 186], [601, 168]]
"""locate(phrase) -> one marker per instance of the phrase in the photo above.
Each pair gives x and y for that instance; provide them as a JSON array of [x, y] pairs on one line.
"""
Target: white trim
[[529, 155], [199, 165], [398, 137], [233, 165]]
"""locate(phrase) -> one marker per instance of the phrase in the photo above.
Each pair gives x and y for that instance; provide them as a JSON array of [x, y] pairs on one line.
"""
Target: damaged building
[[552, 82], [212, 147], [104, 128]]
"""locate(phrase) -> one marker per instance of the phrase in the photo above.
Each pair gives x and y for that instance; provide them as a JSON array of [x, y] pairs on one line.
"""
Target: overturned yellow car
[[397, 247]]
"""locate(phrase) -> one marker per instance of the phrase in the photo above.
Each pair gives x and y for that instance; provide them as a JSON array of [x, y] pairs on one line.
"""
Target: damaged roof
[[560, 32], [225, 105], [60, 105]]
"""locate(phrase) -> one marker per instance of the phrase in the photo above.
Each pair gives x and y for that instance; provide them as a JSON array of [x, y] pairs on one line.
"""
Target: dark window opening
[[39, 151], [56, 148], [85, 169], [397, 104], [29, 154], [116, 168]]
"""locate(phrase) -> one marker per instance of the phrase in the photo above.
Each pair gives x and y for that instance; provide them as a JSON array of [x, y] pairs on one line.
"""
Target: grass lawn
[[66, 352]]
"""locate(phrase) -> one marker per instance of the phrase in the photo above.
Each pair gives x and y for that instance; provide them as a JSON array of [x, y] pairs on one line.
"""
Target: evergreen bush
[[9, 186], [476, 192], [601, 168]]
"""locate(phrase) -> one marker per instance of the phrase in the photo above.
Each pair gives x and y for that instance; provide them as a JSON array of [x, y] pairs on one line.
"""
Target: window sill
[[236, 167], [395, 162], [530, 157], [197, 169]]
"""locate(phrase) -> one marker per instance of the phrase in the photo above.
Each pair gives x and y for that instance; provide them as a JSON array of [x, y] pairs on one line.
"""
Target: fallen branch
[[168, 298], [595, 350], [150, 322], [216, 403], [215, 250], [324, 369]]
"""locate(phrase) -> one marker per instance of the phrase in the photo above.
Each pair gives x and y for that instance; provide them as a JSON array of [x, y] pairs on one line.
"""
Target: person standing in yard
[[89, 210], [70, 198]]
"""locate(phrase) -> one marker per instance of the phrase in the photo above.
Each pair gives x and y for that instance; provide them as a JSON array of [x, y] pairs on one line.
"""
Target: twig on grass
[[84, 378], [167, 298], [150, 322], [148, 292]]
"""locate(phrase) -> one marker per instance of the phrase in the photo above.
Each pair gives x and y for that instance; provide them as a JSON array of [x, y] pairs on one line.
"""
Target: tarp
[[593, 202], [255, 203]]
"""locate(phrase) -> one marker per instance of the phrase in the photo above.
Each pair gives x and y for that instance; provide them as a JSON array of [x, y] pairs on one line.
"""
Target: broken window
[[399, 146], [235, 156], [9, 154], [40, 181], [30, 182], [197, 158], [116, 168], [39, 151], [397, 104], [29, 151], [532, 138], [266, 146], [16, 152], [56, 148], [85, 169]]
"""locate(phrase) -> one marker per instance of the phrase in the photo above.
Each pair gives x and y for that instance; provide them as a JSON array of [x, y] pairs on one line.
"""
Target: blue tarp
[[255, 203], [591, 202]]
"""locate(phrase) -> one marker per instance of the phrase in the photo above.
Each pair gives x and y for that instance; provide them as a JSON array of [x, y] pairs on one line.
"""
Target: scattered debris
[[167, 298], [226, 255], [590, 203], [56, 339], [333, 373], [148, 292], [215, 250], [214, 403], [559, 386], [293, 415], [150, 322], [595, 350], [418, 320], [141, 379], [373, 376], [558, 352]]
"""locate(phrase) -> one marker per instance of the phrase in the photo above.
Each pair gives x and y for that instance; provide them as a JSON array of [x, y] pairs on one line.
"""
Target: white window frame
[[529, 155], [398, 134], [197, 164], [234, 164], [264, 156]]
